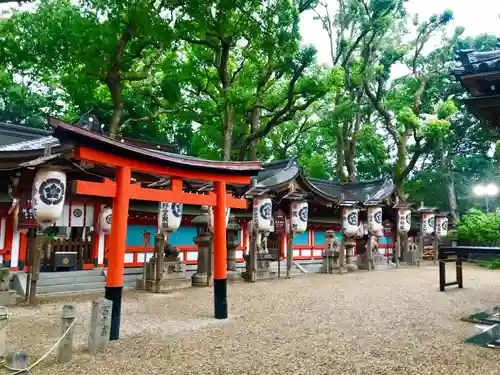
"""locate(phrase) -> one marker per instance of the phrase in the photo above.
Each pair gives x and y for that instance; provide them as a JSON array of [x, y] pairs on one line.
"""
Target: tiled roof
[[471, 61], [366, 192], [11, 134], [31, 145]]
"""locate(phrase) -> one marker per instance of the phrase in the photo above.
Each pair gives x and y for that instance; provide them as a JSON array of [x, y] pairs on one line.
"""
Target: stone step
[[83, 279], [66, 288], [62, 275]]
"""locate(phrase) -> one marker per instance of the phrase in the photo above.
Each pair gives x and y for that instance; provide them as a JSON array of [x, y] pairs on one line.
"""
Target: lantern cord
[[19, 371]]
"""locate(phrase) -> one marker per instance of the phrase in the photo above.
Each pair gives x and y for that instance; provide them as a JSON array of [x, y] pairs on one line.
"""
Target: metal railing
[[459, 254]]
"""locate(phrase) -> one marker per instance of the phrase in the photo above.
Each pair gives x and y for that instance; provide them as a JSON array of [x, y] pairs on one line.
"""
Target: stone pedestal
[[203, 240], [331, 254], [258, 268], [367, 257], [351, 262], [232, 243], [330, 262], [173, 276]]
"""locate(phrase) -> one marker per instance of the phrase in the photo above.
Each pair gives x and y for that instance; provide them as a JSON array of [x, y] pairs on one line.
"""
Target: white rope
[[19, 371]]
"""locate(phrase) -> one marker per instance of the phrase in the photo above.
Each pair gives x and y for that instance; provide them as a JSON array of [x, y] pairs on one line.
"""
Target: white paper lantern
[[262, 214], [428, 221], [375, 225], [404, 220], [350, 221], [211, 219], [299, 216], [169, 216], [49, 189], [104, 222], [441, 226]]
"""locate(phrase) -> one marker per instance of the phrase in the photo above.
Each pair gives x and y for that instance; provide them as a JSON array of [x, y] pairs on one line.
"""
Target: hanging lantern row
[[262, 216], [375, 225], [49, 189], [104, 223], [169, 216], [404, 220], [428, 223], [299, 215], [350, 221], [211, 219], [441, 226]]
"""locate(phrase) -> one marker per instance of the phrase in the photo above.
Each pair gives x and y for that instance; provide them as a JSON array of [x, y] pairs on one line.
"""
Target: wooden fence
[[83, 248]]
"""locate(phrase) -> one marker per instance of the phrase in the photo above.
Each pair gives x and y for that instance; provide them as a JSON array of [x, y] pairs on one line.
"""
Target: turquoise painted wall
[[301, 239], [386, 241], [320, 237], [183, 236], [135, 235]]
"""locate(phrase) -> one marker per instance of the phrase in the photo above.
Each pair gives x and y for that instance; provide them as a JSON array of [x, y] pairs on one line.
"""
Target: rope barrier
[[19, 371]]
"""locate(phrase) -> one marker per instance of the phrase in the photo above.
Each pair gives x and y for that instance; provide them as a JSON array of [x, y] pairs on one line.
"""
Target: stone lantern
[[331, 255], [203, 240], [232, 243]]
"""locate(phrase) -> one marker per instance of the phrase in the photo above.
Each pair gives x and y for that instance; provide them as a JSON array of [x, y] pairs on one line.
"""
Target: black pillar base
[[114, 294], [220, 298]]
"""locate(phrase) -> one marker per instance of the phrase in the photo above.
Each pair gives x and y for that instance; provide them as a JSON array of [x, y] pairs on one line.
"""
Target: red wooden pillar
[[220, 253], [116, 255]]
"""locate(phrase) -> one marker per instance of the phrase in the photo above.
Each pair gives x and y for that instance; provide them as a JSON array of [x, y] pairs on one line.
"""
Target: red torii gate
[[98, 149]]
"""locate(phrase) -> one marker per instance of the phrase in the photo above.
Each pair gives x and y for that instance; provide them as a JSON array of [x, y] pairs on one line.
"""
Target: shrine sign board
[[279, 222], [26, 217]]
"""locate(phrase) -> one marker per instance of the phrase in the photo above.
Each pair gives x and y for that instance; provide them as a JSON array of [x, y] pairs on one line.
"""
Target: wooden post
[[368, 250], [159, 246], [435, 243], [442, 273], [35, 258], [289, 255], [65, 350], [220, 252], [342, 255], [289, 250], [397, 248], [459, 268]]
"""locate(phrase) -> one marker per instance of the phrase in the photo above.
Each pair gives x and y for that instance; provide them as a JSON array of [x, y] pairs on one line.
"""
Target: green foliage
[[408, 118], [446, 109], [479, 229]]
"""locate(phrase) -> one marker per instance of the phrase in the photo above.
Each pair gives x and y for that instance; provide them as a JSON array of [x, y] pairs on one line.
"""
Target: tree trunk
[[115, 88], [452, 198], [227, 132], [254, 128], [350, 161], [399, 178], [340, 160], [227, 126]]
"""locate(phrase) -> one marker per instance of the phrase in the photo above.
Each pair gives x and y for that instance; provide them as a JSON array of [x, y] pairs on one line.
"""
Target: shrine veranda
[[282, 180]]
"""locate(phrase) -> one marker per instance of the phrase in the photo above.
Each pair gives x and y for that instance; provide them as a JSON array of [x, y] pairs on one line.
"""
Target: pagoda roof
[[472, 61], [271, 178]]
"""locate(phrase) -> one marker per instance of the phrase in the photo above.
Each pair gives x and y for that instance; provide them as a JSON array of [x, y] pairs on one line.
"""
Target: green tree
[[401, 105], [80, 48]]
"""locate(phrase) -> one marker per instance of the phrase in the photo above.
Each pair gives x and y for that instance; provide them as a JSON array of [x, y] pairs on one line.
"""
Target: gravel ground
[[383, 322]]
